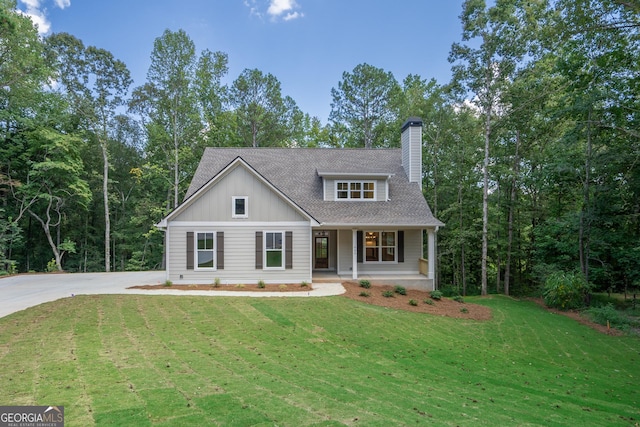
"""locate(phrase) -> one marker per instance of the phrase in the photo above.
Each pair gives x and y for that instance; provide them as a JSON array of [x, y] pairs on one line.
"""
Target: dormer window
[[240, 207], [356, 190]]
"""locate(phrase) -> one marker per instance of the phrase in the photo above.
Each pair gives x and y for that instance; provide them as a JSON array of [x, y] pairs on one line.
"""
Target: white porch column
[[354, 255], [431, 256]]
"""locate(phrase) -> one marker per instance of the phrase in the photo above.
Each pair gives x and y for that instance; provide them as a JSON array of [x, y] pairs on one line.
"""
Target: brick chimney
[[412, 149]]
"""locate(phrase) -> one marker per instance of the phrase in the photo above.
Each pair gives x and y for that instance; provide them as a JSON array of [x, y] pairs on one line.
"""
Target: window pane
[[205, 259], [389, 254], [369, 186], [274, 241], [371, 238], [388, 238], [240, 206], [274, 258], [372, 254], [205, 241], [355, 186], [343, 194]]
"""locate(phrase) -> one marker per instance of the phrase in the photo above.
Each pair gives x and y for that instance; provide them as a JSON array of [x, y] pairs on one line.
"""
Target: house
[[283, 215]]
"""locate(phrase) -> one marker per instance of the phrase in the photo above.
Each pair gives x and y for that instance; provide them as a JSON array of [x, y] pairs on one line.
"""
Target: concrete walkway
[[28, 290]]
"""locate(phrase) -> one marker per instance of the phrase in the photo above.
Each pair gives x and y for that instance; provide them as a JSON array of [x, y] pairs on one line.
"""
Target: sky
[[306, 44]]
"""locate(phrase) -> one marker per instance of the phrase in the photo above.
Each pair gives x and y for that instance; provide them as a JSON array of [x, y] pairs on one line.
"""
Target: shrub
[[464, 310], [168, 283], [240, 285], [304, 284], [565, 291], [400, 290], [364, 294], [413, 302], [282, 287], [387, 294], [458, 298], [216, 282], [436, 295], [608, 313], [261, 284], [365, 284], [429, 301]]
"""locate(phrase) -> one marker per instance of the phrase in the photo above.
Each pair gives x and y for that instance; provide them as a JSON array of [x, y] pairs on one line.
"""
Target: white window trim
[[264, 250], [361, 182], [195, 251], [380, 261], [233, 207]]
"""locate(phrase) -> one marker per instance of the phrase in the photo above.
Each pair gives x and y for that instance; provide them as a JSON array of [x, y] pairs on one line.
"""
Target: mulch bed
[[444, 307], [238, 288]]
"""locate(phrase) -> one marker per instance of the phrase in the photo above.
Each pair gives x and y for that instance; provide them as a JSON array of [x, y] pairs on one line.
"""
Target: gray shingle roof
[[294, 171]]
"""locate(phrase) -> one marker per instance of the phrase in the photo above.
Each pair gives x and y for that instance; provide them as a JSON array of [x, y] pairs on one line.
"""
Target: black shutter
[[359, 245], [401, 246], [288, 246], [220, 251], [190, 250], [258, 250]]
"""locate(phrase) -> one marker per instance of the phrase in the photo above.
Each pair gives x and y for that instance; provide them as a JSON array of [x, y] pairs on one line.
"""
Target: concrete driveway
[[28, 290]]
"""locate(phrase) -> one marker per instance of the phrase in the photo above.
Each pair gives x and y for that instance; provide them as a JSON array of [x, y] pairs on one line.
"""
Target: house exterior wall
[[239, 254], [264, 205], [412, 252], [212, 212]]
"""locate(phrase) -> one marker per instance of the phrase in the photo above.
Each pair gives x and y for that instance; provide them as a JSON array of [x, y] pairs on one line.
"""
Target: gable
[[214, 201]]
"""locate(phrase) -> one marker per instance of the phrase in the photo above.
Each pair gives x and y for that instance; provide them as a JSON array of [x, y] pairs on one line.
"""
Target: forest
[[531, 151]]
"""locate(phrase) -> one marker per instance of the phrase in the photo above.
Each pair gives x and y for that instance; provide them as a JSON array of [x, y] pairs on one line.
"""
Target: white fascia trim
[[244, 224], [374, 226]]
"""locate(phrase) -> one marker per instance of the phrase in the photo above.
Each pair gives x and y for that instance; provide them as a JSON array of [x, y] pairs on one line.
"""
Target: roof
[[296, 172]]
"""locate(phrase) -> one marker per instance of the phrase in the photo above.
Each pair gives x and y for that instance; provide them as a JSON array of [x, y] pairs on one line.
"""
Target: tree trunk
[[583, 233], [512, 199], [485, 198], [105, 195]]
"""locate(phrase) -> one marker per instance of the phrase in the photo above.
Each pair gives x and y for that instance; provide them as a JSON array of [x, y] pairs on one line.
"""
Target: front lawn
[[163, 360]]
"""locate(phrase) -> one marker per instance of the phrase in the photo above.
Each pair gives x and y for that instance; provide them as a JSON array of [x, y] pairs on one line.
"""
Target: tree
[[23, 74], [168, 105], [96, 84], [362, 107], [484, 72], [264, 117]]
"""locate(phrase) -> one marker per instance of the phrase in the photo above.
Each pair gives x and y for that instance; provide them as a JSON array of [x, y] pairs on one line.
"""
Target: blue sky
[[305, 44]]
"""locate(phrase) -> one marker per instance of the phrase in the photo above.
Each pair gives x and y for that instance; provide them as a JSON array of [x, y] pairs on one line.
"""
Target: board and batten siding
[[239, 255], [411, 141], [412, 252], [264, 204]]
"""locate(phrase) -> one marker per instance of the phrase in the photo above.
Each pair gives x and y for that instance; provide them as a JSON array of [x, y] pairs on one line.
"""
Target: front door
[[322, 253]]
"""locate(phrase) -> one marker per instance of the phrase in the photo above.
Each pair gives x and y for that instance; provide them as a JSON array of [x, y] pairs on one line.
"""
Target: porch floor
[[409, 281]]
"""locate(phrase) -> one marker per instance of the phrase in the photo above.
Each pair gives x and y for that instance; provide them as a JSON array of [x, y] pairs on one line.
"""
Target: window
[[274, 249], [205, 249], [240, 207], [355, 190], [380, 246]]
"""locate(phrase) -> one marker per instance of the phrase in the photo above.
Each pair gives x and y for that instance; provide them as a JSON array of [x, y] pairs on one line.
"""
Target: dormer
[[355, 186]]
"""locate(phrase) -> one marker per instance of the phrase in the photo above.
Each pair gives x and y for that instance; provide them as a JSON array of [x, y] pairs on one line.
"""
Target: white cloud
[[62, 4], [284, 10], [38, 14]]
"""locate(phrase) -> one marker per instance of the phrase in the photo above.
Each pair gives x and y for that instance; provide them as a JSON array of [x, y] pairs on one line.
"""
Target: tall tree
[[23, 74], [96, 83], [363, 107], [264, 117], [168, 105], [483, 71]]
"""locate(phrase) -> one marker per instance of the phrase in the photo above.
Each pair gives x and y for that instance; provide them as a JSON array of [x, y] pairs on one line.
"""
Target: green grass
[[162, 360]]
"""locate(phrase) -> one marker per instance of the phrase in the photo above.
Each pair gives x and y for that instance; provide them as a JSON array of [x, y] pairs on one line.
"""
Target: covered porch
[[381, 255]]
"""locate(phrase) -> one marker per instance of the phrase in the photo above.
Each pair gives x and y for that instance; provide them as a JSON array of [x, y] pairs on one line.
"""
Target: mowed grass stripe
[[330, 361]]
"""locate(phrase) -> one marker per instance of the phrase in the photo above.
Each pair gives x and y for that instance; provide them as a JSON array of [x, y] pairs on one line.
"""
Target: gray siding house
[[283, 215]]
